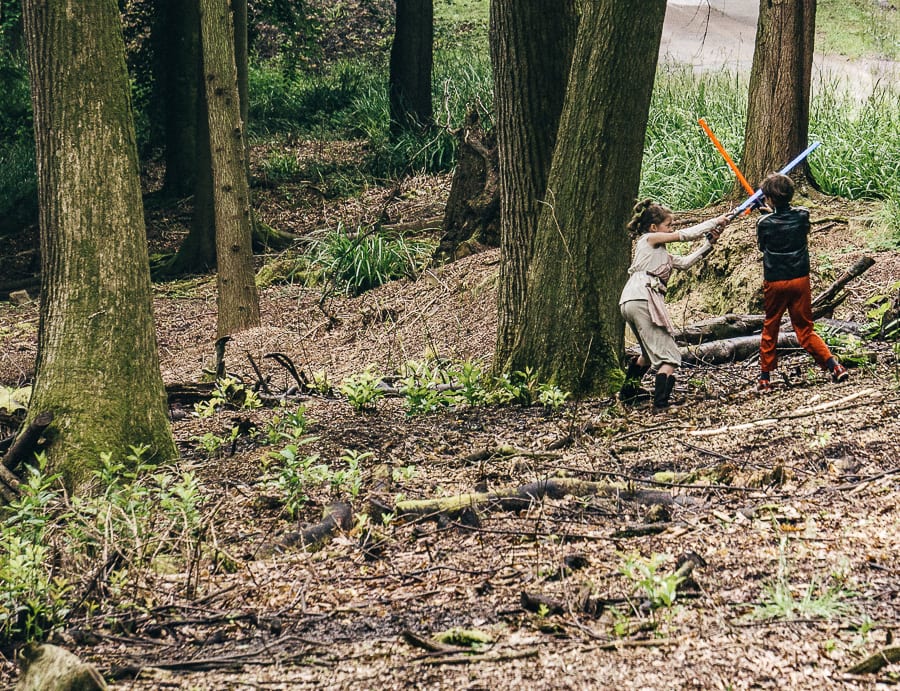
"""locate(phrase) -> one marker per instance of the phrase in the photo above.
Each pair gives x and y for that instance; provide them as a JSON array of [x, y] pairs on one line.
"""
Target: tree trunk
[[238, 301], [572, 331], [97, 365], [778, 104], [411, 62], [197, 252], [177, 46], [531, 52]]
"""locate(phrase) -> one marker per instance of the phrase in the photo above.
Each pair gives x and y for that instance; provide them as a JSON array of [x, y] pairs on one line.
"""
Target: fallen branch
[[874, 663], [824, 299], [337, 516], [510, 499], [27, 441], [800, 412]]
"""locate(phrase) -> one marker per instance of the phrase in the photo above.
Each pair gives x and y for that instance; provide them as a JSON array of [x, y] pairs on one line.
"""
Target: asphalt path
[[716, 34]]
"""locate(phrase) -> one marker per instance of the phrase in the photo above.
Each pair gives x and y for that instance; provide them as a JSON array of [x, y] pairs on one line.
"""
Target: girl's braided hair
[[646, 213]]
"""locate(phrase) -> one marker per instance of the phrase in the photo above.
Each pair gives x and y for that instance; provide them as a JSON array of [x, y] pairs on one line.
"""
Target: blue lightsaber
[[756, 196]]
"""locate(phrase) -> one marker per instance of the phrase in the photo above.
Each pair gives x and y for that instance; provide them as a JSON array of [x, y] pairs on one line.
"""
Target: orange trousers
[[794, 296]]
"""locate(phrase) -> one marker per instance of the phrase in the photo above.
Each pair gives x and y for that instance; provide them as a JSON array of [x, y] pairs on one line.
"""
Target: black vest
[[782, 238]]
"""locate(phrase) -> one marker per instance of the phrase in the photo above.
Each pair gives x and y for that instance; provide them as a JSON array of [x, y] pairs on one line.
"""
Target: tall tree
[[571, 328], [176, 46], [238, 300], [530, 72], [409, 82], [97, 366], [778, 104]]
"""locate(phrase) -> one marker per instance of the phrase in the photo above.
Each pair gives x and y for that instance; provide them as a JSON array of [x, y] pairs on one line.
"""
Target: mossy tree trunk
[[409, 81], [97, 366], [778, 104], [238, 300], [572, 331], [531, 52]]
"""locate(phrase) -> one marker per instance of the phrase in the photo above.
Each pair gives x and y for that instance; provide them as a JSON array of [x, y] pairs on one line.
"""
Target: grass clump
[[367, 258]]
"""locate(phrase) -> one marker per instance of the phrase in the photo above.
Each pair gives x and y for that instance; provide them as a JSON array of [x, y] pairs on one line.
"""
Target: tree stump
[[472, 214]]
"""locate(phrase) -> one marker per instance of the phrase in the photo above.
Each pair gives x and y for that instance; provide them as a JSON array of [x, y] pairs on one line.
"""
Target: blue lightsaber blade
[[752, 199]]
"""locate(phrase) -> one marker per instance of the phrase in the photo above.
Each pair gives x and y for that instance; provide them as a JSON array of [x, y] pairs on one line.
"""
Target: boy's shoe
[[764, 385], [839, 373]]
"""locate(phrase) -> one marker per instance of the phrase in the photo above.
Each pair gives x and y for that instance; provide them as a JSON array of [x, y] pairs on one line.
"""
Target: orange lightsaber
[[740, 176]]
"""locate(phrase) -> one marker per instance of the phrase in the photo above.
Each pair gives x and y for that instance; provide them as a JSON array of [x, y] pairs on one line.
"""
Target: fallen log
[[730, 325], [874, 663], [337, 516], [27, 442], [516, 498], [733, 349]]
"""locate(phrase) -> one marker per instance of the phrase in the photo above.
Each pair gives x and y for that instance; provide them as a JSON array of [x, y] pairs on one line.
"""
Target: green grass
[[856, 29]]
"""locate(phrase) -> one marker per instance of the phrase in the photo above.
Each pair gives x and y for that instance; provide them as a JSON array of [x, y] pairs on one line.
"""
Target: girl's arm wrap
[[687, 261], [698, 231]]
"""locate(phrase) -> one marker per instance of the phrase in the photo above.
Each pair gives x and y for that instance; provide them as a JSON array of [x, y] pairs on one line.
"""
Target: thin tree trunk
[[238, 300], [778, 104], [411, 64], [177, 44]]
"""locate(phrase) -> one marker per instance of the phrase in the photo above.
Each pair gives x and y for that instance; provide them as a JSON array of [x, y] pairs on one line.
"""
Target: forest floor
[[787, 504]]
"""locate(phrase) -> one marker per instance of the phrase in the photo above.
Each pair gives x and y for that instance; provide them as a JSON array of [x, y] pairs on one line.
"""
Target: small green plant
[[320, 383], [286, 426], [228, 393], [469, 377], [516, 387], [551, 396], [847, 347], [350, 478], [407, 472], [785, 601], [362, 390], [296, 474], [421, 388], [213, 444], [658, 588]]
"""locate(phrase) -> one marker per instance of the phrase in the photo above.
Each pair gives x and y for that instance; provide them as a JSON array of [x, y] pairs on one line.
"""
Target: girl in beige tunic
[[643, 298]]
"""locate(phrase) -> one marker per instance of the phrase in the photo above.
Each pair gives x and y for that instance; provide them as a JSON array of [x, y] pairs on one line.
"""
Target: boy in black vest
[[782, 238]]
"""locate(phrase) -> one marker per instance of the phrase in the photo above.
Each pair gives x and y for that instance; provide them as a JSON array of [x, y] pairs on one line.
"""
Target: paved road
[[711, 34]]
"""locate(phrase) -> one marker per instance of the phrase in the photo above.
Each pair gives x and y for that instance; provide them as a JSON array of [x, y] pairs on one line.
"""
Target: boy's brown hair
[[779, 189]]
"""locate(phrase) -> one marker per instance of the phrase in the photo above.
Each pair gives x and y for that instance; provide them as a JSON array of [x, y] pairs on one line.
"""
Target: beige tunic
[[651, 267]]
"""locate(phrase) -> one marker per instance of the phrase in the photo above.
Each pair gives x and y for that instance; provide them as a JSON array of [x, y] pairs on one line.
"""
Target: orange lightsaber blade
[[740, 176]]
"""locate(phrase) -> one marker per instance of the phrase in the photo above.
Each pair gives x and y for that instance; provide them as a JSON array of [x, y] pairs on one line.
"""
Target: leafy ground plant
[[813, 600]]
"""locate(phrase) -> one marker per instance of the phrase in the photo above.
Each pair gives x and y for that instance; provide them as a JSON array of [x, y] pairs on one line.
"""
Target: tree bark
[[572, 331], [98, 365], [238, 300], [531, 51], [778, 103], [177, 45], [409, 82]]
